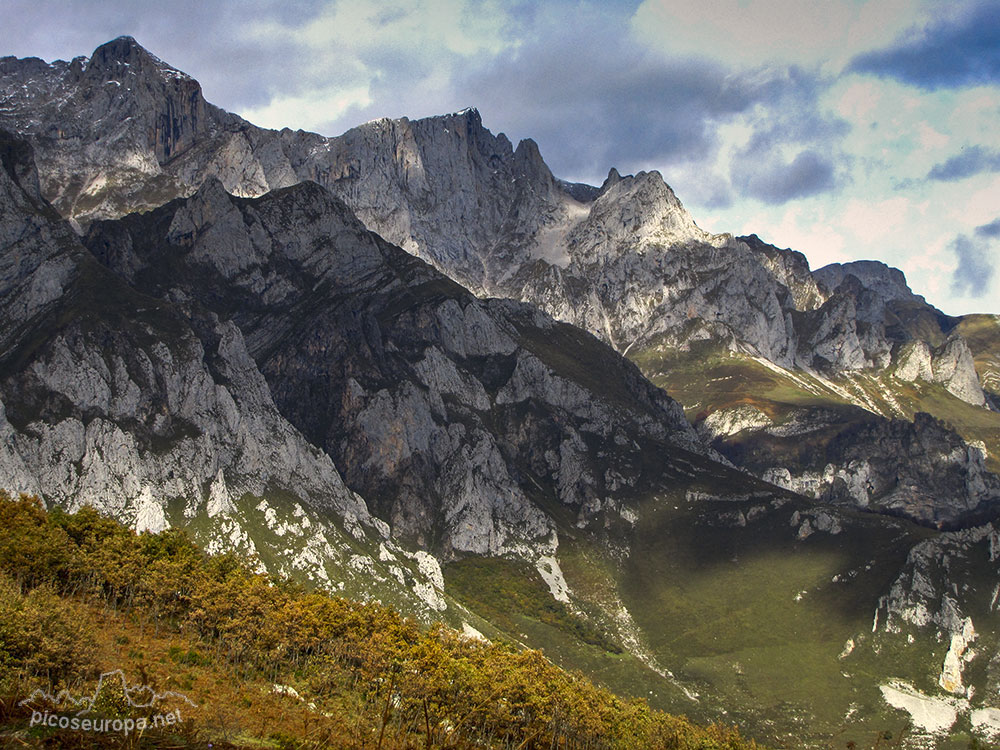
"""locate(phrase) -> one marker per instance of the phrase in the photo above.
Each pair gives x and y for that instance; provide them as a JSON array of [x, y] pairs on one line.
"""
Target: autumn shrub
[[382, 679], [43, 639]]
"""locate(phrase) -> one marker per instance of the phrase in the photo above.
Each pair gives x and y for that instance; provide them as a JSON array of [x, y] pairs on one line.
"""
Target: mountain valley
[[409, 364]]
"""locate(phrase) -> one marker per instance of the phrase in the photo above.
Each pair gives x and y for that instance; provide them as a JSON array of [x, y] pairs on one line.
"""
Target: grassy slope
[[754, 620], [720, 606], [86, 595], [709, 380], [749, 618], [706, 379], [751, 615]]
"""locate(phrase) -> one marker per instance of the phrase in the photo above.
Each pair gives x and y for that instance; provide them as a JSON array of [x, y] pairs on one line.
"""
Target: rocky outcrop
[[847, 333], [886, 282], [954, 367], [625, 261], [951, 364], [444, 409], [160, 417], [930, 592], [914, 363], [921, 469], [732, 421]]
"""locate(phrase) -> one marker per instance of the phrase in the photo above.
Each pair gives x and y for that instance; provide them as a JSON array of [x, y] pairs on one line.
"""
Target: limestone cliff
[[440, 407], [122, 131], [155, 415]]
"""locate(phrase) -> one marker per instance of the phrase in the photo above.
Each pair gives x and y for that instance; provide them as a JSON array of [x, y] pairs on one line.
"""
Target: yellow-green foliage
[[501, 590], [368, 675]]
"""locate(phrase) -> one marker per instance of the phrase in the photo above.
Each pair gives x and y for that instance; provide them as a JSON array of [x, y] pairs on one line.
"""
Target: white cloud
[[859, 100], [931, 138], [975, 202], [418, 27], [899, 133], [809, 231], [972, 114], [752, 32], [398, 57], [310, 111], [872, 222], [805, 227]]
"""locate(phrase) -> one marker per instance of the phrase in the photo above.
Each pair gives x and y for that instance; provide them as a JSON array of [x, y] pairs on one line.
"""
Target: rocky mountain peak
[[211, 193], [123, 49], [470, 115], [124, 56], [888, 282], [611, 180], [528, 163], [123, 76], [643, 207]]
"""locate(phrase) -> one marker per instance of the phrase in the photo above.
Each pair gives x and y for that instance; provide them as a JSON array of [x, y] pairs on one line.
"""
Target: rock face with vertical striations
[[122, 131], [391, 362], [154, 413], [436, 405]]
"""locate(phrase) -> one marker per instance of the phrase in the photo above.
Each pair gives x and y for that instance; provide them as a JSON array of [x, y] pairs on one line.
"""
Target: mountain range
[[410, 363]]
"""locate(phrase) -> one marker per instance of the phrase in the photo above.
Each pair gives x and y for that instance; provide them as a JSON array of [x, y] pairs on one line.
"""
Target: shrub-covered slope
[[259, 662]]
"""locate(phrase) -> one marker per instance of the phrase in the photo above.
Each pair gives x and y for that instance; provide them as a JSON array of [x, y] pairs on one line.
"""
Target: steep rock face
[[436, 405], [120, 401], [953, 366], [113, 398], [950, 364], [847, 332], [982, 333], [887, 282], [625, 261], [104, 128], [409, 179], [914, 363], [920, 469], [174, 113]]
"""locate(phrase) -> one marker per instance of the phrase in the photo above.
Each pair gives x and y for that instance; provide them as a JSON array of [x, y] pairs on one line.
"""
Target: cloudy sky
[[842, 128]]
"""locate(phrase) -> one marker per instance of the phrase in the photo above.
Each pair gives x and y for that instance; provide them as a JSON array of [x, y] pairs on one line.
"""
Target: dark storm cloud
[[592, 98], [614, 109], [710, 190], [777, 181], [972, 161], [960, 50], [975, 268], [761, 170], [586, 91], [989, 230]]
